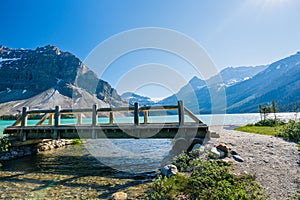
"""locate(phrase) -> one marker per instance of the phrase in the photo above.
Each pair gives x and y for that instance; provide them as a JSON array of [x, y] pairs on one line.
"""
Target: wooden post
[[56, 122], [50, 120], [23, 124], [180, 112], [94, 115], [146, 117], [136, 113], [79, 119], [111, 118], [94, 120]]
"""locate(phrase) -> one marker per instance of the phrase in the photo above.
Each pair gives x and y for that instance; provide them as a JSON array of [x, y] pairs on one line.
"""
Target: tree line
[[264, 111]]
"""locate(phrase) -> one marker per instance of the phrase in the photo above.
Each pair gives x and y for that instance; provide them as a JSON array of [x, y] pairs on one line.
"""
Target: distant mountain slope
[[280, 81], [26, 74], [132, 98], [234, 75], [197, 88], [196, 94]]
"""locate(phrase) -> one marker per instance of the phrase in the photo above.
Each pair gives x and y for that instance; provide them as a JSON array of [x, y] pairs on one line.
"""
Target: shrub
[[4, 144], [76, 141], [270, 122], [208, 180], [291, 131]]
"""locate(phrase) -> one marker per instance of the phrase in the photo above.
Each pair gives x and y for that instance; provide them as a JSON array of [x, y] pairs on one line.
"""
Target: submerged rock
[[119, 196]]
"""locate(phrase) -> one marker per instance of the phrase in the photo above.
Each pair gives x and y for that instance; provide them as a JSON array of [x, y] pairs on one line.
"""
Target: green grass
[[263, 130]]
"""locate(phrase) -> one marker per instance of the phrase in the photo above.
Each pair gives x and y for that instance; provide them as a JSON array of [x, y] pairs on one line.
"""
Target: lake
[[89, 168]]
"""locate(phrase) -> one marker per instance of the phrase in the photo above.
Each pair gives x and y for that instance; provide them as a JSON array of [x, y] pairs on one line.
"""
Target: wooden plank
[[146, 117], [111, 117], [75, 110], [43, 119], [79, 119], [136, 113], [18, 121], [56, 122], [192, 116], [23, 124], [154, 108], [50, 121], [94, 115], [180, 112], [40, 111], [119, 109]]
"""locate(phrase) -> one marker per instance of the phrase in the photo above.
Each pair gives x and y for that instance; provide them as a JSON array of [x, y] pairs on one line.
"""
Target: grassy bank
[[289, 130], [263, 130]]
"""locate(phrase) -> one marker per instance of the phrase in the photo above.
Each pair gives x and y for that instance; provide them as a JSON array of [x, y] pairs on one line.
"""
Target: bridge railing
[[54, 115]]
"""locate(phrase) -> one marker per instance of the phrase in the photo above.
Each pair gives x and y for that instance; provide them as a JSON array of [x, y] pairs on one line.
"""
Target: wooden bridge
[[193, 129]]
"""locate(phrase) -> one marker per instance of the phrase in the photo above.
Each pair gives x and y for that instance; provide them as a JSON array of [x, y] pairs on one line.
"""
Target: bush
[[270, 122], [76, 141], [4, 144], [208, 180], [291, 131]]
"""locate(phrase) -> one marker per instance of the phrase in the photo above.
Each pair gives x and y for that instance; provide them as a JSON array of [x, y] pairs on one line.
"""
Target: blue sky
[[233, 32]]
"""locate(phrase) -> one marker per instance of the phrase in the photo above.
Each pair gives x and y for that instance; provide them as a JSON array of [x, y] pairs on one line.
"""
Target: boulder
[[169, 170], [216, 153], [223, 148], [196, 147], [119, 196]]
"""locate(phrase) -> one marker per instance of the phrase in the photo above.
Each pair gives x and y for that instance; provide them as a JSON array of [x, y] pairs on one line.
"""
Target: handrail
[[94, 111]]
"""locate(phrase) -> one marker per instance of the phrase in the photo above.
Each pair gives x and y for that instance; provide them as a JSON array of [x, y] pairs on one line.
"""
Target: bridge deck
[[180, 129], [111, 131]]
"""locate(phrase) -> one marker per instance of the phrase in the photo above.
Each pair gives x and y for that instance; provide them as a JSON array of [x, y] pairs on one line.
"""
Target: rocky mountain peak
[[25, 73], [49, 49]]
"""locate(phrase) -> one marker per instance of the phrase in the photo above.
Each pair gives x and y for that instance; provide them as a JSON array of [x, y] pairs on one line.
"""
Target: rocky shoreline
[[15, 152], [273, 161]]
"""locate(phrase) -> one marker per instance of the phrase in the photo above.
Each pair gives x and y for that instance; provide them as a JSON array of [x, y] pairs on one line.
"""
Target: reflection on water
[[130, 155], [97, 157]]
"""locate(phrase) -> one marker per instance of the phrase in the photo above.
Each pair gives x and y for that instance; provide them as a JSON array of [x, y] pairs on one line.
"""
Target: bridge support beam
[[56, 135], [94, 121], [180, 113], [136, 113], [23, 124]]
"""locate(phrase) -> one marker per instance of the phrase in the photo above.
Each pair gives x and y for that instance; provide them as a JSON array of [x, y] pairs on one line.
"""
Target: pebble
[[238, 158]]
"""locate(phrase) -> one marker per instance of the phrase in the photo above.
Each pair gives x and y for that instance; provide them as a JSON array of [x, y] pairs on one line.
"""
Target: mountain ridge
[[26, 73]]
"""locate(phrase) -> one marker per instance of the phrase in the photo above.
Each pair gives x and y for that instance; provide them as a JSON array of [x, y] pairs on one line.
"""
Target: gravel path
[[273, 161]]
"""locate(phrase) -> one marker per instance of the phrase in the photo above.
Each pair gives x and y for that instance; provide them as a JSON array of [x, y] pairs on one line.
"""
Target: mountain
[[197, 88], [132, 98], [47, 76], [280, 81], [197, 93], [234, 75]]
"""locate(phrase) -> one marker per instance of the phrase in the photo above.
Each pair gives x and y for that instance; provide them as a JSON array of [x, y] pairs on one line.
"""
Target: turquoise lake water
[[218, 119]]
